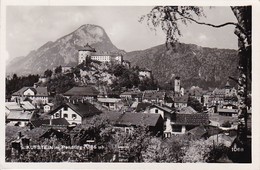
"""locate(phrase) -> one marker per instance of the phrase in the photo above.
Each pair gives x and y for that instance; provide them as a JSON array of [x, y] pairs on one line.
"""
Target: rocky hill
[[200, 66], [63, 51]]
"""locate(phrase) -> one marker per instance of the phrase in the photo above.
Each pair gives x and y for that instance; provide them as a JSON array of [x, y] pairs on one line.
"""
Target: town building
[[19, 113], [181, 102], [47, 107], [59, 122], [167, 114], [196, 93], [154, 96], [111, 103], [38, 95], [75, 113], [88, 93], [127, 122], [184, 122], [228, 110], [131, 95]]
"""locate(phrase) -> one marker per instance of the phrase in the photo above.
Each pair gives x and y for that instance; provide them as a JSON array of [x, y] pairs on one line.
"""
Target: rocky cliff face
[[204, 67], [63, 51]]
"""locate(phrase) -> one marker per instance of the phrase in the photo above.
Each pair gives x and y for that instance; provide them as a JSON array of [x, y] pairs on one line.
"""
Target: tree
[[195, 104], [169, 18], [58, 70], [48, 73]]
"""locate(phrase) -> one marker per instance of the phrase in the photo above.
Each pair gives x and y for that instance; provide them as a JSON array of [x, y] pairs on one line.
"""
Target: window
[[65, 115], [57, 115], [156, 111], [65, 108], [128, 130], [74, 116]]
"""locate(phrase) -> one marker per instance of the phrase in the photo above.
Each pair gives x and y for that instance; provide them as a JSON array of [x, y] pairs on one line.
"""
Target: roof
[[197, 132], [83, 109], [82, 91], [20, 115], [131, 93], [24, 105], [192, 119], [55, 122], [196, 91], [187, 110], [134, 119], [164, 108], [154, 95], [182, 99], [87, 48], [109, 100], [228, 110], [49, 104], [219, 91], [142, 106], [39, 91]]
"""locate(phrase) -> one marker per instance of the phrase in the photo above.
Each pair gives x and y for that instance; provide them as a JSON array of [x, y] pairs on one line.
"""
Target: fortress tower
[[85, 52]]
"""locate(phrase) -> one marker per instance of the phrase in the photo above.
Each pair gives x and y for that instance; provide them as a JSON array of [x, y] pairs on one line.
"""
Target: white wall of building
[[68, 115]]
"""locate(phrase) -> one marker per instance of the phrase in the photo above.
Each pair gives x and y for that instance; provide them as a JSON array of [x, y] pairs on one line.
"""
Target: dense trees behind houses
[[15, 83]]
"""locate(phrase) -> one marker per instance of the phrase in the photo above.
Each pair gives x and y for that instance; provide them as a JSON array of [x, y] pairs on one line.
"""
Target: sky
[[29, 27]]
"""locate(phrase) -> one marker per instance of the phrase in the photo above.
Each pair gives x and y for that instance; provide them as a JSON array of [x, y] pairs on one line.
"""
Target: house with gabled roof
[[154, 96], [167, 114], [35, 94], [75, 113], [111, 103], [181, 102], [19, 113], [60, 122], [89, 93], [19, 118], [184, 122], [128, 121]]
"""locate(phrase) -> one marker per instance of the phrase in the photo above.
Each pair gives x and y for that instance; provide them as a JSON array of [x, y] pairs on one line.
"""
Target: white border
[[255, 85]]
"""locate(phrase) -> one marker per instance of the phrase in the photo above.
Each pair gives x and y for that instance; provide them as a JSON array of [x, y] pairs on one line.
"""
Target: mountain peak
[[64, 51]]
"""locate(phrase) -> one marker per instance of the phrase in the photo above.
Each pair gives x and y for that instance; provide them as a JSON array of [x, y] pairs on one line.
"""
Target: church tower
[[227, 89], [177, 85], [85, 52]]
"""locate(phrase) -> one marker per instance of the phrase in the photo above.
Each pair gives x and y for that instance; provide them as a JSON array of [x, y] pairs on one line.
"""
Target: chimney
[[35, 85]]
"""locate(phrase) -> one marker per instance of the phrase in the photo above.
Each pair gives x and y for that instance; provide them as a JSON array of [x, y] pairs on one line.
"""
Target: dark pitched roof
[[46, 122], [142, 106], [196, 91], [154, 95], [134, 119], [20, 115], [83, 109], [197, 132], [164, 108], [192, 119], [82, 91], [187, 110], [182, 99], [39, 91]]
